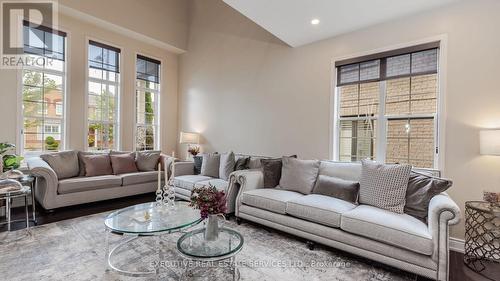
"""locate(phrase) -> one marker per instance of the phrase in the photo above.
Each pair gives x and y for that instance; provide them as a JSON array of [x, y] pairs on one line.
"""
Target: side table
[[30, 181], [482, 237], [193, 246], [8, 196]]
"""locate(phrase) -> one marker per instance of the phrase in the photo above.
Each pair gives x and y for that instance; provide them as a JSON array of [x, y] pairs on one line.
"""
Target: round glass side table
[[25, 192], [482, 237], [193, 246]]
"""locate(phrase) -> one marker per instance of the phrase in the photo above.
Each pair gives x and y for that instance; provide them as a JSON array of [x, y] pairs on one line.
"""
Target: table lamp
[[192, 140]]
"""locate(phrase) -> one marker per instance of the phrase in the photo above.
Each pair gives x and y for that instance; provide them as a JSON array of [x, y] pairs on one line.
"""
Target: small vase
[[212, 228]]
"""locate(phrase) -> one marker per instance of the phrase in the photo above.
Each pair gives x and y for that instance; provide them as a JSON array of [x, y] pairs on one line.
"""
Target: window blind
[[417, 60], [148, 69], [104, 57], [43, 41]]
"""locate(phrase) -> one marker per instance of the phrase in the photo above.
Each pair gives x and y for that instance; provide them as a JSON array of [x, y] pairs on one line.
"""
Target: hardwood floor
[[458, 271]]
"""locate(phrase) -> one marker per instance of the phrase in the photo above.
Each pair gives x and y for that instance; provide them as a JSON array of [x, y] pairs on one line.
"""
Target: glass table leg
[[7, 212], [106, 250], [27, 213]]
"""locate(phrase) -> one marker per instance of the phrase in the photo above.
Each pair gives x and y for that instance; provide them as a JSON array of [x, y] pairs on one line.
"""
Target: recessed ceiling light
[[315, 21]]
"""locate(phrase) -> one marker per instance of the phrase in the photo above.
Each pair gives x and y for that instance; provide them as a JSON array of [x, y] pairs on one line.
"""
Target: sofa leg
[[310, 245], [238, 221], [49, 211]]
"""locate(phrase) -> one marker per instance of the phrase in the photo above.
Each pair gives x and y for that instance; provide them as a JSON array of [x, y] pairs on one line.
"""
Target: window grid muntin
[[109, 78], [384, 119]]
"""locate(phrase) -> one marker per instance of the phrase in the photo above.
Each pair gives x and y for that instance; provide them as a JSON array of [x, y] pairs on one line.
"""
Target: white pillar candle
[[159, 176]]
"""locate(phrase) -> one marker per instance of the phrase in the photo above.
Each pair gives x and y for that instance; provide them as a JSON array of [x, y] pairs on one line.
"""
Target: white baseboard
[[457, 245]]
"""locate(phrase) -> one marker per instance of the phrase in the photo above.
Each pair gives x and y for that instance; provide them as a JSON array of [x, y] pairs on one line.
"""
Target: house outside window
[[103, 97], [147, 128], [387, 107], [42, 87]]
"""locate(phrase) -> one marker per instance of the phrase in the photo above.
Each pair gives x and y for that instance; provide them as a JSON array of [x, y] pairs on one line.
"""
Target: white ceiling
[[290, 20]]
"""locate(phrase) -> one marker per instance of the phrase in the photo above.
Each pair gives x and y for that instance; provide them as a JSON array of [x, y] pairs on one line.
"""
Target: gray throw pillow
[[383, 185], [299, 175], [198, 160], [210, 165], [97, 165], [123, 163], [421, 189], [241, 163], [64, 163], [147, 161], [271, 169], [81, 163], [226, 165], [338, 188]]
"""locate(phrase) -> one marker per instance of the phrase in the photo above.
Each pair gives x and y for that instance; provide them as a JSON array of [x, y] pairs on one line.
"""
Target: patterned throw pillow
[[384, 186]]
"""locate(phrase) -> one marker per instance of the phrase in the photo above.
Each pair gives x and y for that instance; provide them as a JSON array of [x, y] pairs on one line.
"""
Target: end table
[[482, 237]]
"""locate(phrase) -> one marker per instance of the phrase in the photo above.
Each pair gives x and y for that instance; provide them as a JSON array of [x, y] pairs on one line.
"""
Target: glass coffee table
[[193, 246], [147, 219]]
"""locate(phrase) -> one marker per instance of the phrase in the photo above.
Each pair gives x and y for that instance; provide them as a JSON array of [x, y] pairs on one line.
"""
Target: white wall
[[244, 90], [78, 32]]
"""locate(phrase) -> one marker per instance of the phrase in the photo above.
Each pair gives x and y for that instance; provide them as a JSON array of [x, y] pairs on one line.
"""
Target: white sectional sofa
[[398, 240]]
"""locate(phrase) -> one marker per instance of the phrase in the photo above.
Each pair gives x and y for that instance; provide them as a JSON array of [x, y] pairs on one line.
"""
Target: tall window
[[387, 107], [147, 103], [103, 96], [43, 90]]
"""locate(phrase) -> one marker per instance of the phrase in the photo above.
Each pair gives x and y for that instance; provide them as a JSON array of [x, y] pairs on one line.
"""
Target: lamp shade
[[489, 142], [190, 138]]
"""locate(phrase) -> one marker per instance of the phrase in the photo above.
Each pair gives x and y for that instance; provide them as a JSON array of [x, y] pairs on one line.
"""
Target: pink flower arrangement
[[208, 200]]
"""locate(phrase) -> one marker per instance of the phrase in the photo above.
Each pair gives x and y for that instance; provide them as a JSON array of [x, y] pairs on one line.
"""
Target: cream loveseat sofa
[[398, 240], [184, 180], [52, 192]]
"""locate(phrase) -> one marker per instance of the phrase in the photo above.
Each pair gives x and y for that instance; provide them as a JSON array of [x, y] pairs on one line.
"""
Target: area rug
[[75, 250]]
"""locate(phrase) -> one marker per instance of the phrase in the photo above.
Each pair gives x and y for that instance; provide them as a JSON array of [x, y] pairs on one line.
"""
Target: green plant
[[51, 143], [10, 161]]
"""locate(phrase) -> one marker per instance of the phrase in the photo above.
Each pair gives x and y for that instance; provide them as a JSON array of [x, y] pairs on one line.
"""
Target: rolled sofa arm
[[183, 168], [443, 212], [248, 180], [232, 190], [47, 182]]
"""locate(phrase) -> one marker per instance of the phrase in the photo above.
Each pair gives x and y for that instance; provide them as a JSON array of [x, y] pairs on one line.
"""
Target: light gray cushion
[[400, 230], [147, 160], [226, 166], [210, 165], [298, 175], [338, 188], [140, 177], [64, 163], [188, 181], [343, 170], [270, 199], [319, 208], [219, 184], [384, 186], [88, 183]]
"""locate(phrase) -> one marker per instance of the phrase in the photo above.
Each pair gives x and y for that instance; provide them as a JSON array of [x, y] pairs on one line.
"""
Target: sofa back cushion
[[421, 189], [299, 175], [226, 165], [210, 165], [81, 163], [147, 161], [342, 170], [64, 163], [123, 163], [337, 187], [384, 186], [97, 165]]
